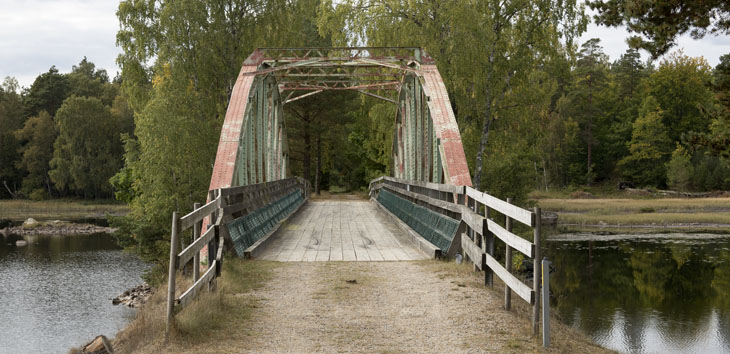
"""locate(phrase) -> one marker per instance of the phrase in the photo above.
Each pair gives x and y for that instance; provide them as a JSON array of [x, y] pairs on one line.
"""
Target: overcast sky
[[36, 34]]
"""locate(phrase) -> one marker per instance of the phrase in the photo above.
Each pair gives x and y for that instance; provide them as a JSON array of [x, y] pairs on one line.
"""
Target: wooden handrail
[[218, 209], [450, 198]]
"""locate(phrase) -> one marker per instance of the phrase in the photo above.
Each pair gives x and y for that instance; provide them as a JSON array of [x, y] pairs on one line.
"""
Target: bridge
[[427, 209]]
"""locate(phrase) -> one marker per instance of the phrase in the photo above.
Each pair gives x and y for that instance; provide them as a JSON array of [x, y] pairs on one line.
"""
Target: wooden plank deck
[[339, 231]]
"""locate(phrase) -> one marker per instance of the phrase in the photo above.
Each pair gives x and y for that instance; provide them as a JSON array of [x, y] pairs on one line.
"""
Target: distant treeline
[[62, 136]]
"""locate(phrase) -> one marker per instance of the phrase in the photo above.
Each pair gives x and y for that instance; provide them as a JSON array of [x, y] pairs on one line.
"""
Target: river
[[648, 295], [55, 292]]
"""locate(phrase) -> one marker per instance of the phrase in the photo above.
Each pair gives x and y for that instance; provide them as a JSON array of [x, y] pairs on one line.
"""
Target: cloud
[[613, 40], [37, 34]]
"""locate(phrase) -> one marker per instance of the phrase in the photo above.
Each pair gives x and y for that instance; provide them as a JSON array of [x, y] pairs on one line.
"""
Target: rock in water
[[21, 243]]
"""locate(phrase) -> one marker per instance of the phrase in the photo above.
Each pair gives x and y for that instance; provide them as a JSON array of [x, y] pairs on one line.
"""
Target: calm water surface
[[645, 296], [55, 293]]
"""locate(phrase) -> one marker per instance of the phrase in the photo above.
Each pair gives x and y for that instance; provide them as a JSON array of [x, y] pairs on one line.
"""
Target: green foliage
[[661, 22], [488, 53], [87, 151], [47, 93], [86, 81], [585, 102], [649, 147], [680, 169], [681, 87], [123, 181], [36, 138], [11, 119]]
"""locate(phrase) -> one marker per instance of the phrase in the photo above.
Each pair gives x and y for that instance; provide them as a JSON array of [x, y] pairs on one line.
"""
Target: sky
[[37, 34]]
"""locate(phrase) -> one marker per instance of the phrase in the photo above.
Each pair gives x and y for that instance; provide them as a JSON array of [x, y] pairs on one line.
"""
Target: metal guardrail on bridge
[[477, 231], [226, 205]]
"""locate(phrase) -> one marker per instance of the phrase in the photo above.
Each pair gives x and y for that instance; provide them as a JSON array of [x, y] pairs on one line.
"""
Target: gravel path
[[423, 307]]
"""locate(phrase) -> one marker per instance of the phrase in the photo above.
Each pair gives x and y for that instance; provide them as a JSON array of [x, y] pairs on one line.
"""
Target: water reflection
[[56, 291], [657, 296]]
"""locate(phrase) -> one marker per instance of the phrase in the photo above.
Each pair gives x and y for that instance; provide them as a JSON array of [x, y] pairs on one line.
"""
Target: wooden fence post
[[536, 269], [508, 261], [174, 240], [488, 248], [196, 234]]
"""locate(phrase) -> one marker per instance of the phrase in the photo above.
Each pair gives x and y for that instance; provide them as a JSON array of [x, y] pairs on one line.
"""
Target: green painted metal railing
[[248, 229], [432, 226]]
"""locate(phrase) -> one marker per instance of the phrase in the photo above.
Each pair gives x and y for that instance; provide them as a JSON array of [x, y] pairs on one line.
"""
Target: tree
[[680, 169], [179, 64], [585, 98], [649, 147], [628, 84], [661, 22], [484, 49], [681, 86], [87, 151], [11, 119], [86, 81], [719, 137], [36, 138], [47, 93]]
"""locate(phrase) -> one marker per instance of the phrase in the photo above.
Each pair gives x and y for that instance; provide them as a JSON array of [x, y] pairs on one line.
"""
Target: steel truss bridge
[[253, 146], [426, 209]]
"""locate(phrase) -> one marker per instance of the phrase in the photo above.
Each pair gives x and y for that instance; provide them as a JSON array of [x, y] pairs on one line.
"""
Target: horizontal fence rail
[[478, 230], [225, 206]]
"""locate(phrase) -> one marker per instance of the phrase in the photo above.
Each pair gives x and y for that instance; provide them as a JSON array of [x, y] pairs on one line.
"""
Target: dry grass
[[669, 213], [613, 206], [646, 218], [19, 210], [202, 321]]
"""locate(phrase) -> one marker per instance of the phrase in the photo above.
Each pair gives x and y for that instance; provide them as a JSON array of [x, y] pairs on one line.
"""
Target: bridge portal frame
[[426, 142]]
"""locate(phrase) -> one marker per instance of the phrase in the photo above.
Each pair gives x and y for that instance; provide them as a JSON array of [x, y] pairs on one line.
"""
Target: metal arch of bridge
[[426, 142]]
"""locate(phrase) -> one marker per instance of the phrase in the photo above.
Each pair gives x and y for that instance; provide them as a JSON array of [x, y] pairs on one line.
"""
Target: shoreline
[[592, 236], [56, 227]]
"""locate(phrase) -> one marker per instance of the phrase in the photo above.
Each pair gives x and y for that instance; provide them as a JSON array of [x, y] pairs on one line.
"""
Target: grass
[[671, 213], [624, 205], [65, 209], [208, 319], [645, 218]]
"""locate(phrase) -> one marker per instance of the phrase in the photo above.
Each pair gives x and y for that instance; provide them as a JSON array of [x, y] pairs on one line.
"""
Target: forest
[[532, 103]]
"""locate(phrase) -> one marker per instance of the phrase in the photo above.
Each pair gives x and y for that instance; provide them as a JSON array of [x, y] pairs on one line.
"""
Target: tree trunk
[[482, 146], [48, 185], [319, 165]]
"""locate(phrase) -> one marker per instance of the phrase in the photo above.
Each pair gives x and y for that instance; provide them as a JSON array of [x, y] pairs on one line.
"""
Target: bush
[[38, 194], [680, 169]]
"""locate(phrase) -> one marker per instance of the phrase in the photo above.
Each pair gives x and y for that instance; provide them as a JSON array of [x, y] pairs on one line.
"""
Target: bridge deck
[[339, 231]]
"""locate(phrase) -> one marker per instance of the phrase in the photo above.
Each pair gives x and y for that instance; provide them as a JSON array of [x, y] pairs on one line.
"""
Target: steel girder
[[426, 142], [426, 145]]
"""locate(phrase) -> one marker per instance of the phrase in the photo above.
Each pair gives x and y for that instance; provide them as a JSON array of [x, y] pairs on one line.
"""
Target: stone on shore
[[30, 222]]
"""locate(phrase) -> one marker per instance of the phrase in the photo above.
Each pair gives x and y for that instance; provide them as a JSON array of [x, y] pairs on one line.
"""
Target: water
[[647, 295], [55, 293]]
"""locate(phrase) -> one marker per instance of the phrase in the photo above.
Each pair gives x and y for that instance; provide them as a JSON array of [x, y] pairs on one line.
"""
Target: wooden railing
[[225, 205], [479, 231]]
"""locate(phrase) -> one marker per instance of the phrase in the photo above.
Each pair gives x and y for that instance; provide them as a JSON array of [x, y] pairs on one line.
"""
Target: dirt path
[[417, 307], [310, 307]]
